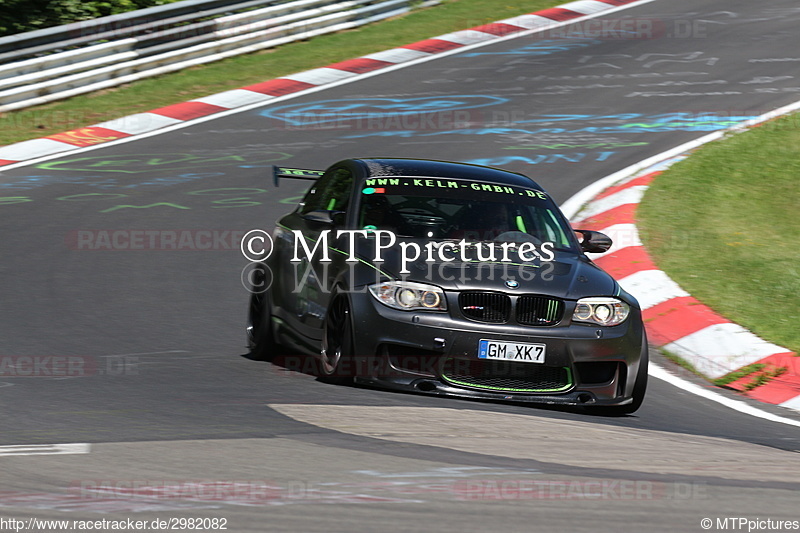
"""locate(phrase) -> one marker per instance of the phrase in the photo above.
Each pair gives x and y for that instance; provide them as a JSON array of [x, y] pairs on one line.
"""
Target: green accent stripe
[[501, 263], [362, 261], [552, 310], [484, 387], [521, 224]]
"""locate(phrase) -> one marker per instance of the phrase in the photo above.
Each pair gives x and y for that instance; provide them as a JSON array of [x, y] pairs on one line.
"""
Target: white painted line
[[664, 165], [234, 98], [737, 405], [651, 287], [45, 449], [138, 123], [727, 347], [631, 195]]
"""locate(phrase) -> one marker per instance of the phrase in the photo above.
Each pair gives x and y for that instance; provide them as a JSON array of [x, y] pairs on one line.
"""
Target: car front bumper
[[436, 353]]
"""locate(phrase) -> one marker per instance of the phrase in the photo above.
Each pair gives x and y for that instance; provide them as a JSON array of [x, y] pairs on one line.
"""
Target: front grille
[[485, 306], [507, 376], [539, 310]]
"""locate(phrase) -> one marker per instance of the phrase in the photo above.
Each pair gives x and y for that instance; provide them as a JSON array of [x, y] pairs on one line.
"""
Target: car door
[[303, 287]]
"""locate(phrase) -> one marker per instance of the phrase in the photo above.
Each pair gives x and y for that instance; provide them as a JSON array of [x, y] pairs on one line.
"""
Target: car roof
[[382, 167]]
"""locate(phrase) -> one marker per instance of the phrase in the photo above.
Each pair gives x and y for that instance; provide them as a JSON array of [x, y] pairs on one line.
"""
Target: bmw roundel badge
[[512, 283]]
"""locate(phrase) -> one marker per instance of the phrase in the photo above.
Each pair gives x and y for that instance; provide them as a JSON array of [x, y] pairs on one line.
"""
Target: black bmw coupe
[[446, 279]]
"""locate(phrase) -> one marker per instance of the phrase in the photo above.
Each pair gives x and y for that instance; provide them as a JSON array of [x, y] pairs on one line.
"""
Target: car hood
[[569, 275]]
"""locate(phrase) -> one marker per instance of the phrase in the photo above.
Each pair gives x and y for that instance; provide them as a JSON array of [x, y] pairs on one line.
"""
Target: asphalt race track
[[182, 424]]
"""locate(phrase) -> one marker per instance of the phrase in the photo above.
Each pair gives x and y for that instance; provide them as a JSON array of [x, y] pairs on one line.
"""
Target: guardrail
[[46, 65]]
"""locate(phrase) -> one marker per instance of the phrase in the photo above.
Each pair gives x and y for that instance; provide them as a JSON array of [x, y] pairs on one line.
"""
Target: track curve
[[155, 335]]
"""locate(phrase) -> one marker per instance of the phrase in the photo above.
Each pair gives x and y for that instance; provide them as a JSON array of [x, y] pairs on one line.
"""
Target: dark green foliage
[[18, 16]]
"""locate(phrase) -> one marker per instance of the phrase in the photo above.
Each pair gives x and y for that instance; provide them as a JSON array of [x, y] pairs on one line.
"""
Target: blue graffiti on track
[[540, 48], [575, 157], [322, 111], [627, 123]]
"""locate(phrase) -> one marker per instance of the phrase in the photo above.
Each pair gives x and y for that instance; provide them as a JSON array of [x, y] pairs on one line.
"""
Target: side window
[[331, 192], [552, 228]]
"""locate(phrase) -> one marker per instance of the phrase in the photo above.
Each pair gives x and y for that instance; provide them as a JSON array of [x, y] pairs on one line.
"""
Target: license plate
[[520, 352]]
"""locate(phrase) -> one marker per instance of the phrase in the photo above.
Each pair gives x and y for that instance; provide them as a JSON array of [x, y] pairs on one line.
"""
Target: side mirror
[[323, 216], [594, 241]]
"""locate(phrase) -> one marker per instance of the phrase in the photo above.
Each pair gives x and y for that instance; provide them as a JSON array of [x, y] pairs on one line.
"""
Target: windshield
[[450, 209]]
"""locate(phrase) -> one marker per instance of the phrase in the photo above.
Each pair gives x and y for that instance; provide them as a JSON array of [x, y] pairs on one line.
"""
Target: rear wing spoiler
[[295, 173]]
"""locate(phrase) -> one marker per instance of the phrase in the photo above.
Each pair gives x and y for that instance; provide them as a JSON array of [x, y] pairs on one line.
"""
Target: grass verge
[[450, 15], [724, 225], [680, 361], [739, 374]]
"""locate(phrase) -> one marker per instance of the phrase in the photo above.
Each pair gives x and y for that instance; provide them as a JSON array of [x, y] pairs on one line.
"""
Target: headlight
[[407, 295], [601, 310]]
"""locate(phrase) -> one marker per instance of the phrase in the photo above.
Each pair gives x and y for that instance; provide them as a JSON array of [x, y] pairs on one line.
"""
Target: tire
[[260, 337], [337, 342], [639, 389]]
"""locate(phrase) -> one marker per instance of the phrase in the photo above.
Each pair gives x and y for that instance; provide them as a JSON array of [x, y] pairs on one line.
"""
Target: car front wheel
[[337, 342], [260, 338]]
